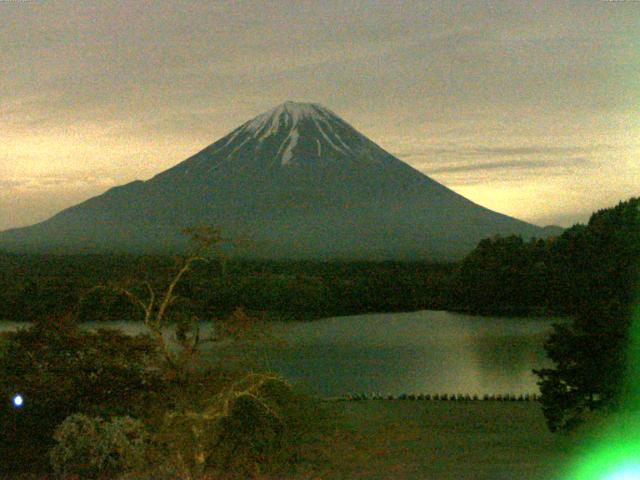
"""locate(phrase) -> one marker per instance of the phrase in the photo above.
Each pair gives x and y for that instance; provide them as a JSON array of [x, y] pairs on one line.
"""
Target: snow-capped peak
[[286, 119], [287, 115], [293, 134]]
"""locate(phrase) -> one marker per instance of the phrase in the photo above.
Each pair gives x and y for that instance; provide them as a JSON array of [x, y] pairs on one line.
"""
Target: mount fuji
[[294, 182]]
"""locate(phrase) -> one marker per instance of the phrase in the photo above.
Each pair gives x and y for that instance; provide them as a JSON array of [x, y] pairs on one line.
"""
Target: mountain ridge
[[298, 181]]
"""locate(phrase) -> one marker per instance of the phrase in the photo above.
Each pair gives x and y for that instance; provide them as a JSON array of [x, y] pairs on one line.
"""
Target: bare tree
[[155, 305]]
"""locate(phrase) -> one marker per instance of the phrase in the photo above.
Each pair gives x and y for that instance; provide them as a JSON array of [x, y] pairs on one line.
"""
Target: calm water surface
[[419, 352]]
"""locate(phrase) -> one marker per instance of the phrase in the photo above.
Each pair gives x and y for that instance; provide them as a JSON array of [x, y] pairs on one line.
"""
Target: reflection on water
[[419, 352]]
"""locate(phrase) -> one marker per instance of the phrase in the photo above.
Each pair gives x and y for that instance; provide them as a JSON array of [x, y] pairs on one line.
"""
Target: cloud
[[7, 184], [42, 183], [513, 165], [29, 199], [484, 151], [124, 90], [537, 150]]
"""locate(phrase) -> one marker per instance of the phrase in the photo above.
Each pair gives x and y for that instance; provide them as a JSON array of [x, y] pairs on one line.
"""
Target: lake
[[394, 353]]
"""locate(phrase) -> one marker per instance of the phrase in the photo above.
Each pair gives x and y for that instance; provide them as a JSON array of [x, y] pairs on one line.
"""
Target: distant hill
[[294, 182]]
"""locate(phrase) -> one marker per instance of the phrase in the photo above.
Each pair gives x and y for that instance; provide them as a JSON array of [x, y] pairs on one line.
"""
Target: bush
[[259, 424], [199, 418], [93, 448], [60, 370], [264, 431]]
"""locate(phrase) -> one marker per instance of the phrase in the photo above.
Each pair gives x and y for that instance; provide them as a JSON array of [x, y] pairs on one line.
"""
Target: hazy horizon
[[527, 109]]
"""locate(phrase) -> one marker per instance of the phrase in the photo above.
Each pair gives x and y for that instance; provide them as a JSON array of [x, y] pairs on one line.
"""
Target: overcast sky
[[528, 108]]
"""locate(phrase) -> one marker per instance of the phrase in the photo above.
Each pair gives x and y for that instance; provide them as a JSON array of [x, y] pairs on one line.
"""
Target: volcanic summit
[[294, 182]]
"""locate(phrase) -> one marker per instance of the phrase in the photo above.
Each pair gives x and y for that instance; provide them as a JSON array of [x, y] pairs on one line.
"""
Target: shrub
[[61, 370], [265, 430], [258, 424], [76, 438], [93, 448]]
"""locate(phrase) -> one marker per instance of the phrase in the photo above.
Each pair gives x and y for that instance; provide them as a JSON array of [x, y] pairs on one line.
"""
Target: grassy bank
[[391, 440], [438, 440]]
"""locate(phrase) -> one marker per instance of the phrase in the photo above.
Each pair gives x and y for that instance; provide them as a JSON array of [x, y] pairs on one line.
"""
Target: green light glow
[[626, 472], [615, 452]]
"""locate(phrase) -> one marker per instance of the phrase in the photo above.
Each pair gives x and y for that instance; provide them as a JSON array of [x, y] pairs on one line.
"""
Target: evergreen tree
[[597, 269]]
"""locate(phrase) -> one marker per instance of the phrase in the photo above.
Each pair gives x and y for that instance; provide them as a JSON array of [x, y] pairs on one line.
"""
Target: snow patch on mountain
[[291, 123], [327, 137], [288, 114], [291, 142], [240, 145]]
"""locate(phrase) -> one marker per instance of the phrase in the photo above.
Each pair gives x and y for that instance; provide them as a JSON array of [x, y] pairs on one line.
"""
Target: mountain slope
[[294, 182]]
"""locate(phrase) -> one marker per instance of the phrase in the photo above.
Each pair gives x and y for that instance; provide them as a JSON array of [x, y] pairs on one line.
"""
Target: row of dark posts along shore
[[452, 397]]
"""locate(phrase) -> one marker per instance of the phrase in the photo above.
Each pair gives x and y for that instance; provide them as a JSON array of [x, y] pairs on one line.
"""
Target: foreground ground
[[431, 440], [439, 440]]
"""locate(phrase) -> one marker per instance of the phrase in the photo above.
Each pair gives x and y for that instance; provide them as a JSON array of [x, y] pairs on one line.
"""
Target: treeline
[[33, 286], [600, 266], [590, 272], [501, 276], [562, 275]]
